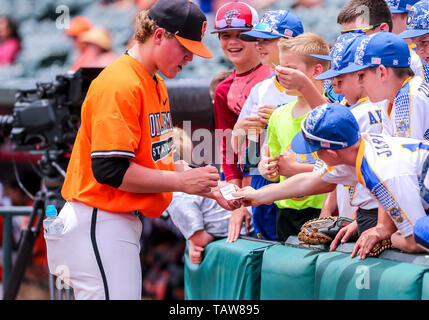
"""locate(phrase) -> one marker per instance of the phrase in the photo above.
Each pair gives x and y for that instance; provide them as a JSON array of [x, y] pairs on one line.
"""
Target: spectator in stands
[[307, 3], [78, 25], [97, 51], [10, 41], [201, 220], [231, 20]]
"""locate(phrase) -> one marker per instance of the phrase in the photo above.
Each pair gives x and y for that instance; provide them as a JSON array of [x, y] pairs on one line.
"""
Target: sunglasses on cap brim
[[232, 23], [361, 30], [316, 141]]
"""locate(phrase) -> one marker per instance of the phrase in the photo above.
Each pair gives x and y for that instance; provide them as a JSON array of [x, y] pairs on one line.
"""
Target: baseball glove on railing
[[379, 247], [322, 230]]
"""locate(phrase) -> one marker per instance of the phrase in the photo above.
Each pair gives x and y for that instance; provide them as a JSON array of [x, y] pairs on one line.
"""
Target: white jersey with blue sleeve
[[391, 169], [408, 116]]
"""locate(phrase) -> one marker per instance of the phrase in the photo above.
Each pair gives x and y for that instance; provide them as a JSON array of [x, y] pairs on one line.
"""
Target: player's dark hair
[[378, 12], [403, 72]]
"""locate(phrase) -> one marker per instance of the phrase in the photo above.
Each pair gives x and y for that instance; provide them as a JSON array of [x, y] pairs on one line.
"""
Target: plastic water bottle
[[52, 223]]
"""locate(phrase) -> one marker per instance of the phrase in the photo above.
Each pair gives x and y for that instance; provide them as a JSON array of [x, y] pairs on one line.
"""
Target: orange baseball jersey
[[126, 113]]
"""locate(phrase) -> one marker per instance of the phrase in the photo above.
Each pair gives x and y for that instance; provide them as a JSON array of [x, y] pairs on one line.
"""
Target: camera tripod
[[53, 177]]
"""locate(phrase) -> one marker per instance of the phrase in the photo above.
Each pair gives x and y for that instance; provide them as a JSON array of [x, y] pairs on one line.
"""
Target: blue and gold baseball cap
[[382, 48], [273, 25], [341, 56], [329, 126], [400, 6], [417, 21]]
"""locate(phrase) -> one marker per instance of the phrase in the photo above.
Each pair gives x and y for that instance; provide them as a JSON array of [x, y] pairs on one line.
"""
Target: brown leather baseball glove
[[322, 230]]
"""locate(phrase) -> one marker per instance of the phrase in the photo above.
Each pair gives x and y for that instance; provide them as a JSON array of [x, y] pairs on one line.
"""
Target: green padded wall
[[340, 277], [425, 287], [288, 273], [229, 271]]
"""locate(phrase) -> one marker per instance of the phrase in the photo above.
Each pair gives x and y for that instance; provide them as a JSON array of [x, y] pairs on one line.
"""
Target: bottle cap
[[51, 210]]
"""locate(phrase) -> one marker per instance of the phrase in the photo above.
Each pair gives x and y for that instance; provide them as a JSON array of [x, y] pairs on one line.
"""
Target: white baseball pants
[[98, 253]]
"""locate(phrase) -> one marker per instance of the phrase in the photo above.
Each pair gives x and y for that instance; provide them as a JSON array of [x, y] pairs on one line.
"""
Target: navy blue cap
[[341, 56], [329, 126], [274, 25], [382, 48], [417, 21]]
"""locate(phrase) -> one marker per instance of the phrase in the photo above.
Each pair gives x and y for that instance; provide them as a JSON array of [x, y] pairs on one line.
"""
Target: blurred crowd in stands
[[40, 39]]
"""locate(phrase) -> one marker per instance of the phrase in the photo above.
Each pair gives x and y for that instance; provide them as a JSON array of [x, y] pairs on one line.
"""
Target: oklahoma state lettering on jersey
[[126, 113]]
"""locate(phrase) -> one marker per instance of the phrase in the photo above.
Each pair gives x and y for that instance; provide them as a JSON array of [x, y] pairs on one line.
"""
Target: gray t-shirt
[[191, 213]]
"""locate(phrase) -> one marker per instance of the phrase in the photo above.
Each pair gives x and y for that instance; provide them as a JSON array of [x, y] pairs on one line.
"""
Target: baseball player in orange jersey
[[122, 160]]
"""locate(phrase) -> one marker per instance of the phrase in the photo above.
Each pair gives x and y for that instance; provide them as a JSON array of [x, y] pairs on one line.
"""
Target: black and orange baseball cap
[[185, 20]]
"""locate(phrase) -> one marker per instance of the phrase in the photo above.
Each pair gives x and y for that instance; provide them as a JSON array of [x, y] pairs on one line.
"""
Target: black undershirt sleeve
[[109, 171]]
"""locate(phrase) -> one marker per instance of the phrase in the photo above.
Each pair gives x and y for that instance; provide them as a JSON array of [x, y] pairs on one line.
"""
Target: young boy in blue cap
[[399, 9], [379, 18], [382, 61], [417, 29], [352, 201], [366, 158]]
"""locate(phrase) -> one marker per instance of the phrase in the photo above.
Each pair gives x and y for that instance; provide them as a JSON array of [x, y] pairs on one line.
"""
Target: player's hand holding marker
[[199, 180]]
